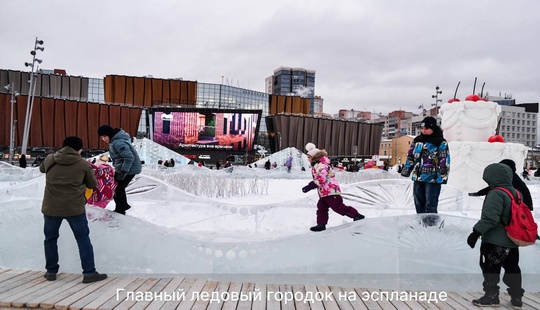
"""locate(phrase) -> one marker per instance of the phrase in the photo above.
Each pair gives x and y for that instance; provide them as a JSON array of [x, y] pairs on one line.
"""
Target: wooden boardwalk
[[25, 289]]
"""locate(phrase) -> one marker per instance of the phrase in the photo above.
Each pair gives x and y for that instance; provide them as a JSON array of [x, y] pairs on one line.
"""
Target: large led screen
[[209, 131]]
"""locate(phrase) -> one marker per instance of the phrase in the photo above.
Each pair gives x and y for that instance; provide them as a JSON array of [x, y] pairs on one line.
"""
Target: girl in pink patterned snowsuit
[[106, 184], [328, 187]]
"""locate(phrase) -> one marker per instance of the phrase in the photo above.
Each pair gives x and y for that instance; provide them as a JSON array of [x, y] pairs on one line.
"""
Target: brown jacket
[[67, 177]]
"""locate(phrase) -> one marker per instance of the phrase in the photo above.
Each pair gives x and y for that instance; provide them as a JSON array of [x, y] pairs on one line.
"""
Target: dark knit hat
[[105, 130], [429, 122], [510, 163], [73, 142]]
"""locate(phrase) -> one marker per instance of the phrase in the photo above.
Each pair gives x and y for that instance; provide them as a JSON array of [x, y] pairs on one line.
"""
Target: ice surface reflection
[[264, 236]]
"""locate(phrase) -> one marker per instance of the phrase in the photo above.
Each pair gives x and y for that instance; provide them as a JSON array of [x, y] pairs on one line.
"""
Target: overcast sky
[[377, 55]]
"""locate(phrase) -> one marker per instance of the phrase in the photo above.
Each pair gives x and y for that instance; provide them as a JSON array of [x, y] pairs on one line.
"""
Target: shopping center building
[[198, 120]]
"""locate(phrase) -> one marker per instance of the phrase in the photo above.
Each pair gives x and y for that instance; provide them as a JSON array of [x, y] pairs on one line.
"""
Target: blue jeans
[[79, 226], [426, 197]]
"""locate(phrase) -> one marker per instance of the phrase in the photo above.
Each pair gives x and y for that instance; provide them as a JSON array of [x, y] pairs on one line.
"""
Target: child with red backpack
[[497, 249]]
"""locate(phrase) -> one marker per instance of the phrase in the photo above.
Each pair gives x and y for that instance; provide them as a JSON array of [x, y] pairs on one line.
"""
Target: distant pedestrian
[[267, 165], [126, 162], [525, 174], [67, 175], [288, 163], [22, 161], [329, 191]]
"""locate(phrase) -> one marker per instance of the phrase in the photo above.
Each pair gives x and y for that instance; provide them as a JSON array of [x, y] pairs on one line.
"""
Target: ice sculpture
[[467, 126]]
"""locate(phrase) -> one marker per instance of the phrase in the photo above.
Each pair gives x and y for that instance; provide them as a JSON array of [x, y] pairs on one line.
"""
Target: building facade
[[288, 81]]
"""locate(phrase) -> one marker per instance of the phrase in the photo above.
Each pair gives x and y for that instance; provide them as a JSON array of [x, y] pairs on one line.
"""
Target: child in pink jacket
[[106, 183], [328, 187]]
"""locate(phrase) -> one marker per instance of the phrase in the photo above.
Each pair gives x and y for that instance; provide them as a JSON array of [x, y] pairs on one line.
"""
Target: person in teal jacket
[[497, 250], [126, 162]]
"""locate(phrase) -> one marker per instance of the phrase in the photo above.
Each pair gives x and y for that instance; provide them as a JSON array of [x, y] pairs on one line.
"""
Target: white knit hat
[[312, 150]]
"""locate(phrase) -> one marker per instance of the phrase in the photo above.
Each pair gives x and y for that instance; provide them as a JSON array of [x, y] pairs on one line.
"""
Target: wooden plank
[[32, 298], [341, 297], [331, 302], [83, 290], [531, 300], [18, 299], [232, 303], [116, 300], [147, 285], [222, 287], [108, 288], [8, 274], [370, 304], [300, 304], [356, 302], [287, 292], [260, 304], [19, 279], [247, 290], [20, 290], [209, 287], [272, 303], [170, 289], [107, 292], [195, 286], [156, 288], [62, 283], [315, 305]]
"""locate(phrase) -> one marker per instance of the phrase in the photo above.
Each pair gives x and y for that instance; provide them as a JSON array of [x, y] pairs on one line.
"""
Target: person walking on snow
[[324, 179]]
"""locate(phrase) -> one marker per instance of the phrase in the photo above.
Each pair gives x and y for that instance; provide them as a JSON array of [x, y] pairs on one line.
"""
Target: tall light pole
[[436, 96], [14, 94], [31, 93]]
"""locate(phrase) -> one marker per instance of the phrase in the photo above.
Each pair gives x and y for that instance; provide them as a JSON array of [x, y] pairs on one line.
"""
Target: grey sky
[[378, 55]]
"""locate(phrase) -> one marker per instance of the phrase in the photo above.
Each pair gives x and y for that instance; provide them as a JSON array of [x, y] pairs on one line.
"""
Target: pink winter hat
[[311, 149]]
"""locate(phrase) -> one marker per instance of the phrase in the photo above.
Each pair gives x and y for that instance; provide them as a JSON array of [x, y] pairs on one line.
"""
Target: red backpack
[[522, 229]]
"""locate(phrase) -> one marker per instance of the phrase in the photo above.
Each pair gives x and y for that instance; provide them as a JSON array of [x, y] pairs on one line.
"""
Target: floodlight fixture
[[41, 48], [40, 42]]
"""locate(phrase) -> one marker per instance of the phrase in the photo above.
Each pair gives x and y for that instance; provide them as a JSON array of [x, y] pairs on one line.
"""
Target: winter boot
[[318, 227], [358, 217], [516, 302], [94, 277], [52, 277], [488, 300]]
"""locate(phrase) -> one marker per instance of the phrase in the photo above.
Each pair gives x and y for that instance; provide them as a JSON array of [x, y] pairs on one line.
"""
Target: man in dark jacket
[[497, 250], [126, 162], [517, 183], [67, 177]]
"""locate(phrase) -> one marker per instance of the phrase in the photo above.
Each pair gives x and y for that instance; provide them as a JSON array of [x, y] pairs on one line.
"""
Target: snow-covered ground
[[252, 224]]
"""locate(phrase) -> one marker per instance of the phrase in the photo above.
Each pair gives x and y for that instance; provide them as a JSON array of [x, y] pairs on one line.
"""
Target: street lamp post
[[14, 94], [31, 93], [436, 96]]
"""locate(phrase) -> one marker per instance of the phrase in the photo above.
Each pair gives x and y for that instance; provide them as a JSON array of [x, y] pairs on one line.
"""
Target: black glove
[[473, 237], [119, 176], [309, 187], [473, 194]]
